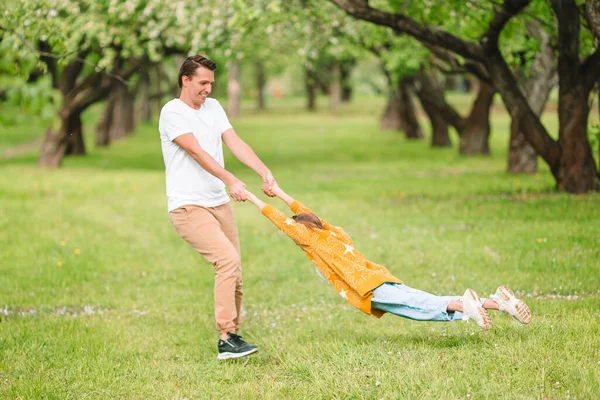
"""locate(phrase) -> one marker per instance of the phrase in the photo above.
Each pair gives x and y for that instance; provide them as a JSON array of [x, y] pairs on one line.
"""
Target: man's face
[[199, 85]]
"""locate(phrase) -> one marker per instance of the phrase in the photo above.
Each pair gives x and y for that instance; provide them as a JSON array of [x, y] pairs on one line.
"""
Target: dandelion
[[540, 240], [77, 251], [377, 383], [402, 195], [63, 243], [59, 263]]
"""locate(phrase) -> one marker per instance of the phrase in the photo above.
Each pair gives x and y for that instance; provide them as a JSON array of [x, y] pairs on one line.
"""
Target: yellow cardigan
[[331, 251]]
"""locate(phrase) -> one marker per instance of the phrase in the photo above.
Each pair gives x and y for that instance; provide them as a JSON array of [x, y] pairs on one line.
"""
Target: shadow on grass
[[403, 340]]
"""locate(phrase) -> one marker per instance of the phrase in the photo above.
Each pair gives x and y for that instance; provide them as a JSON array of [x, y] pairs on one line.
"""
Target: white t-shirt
[[187, 182]]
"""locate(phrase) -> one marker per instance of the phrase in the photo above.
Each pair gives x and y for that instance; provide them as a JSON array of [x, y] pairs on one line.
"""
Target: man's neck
[[189, 102]]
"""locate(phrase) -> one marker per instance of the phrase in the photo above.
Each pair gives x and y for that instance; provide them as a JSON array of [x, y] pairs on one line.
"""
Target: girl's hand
[[277, 191]]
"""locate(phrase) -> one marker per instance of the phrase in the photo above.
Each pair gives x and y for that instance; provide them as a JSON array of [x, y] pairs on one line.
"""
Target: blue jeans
[[404, 301]]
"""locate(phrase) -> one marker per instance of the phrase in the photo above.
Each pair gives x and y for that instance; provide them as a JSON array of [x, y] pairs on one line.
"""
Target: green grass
[[100, 299]]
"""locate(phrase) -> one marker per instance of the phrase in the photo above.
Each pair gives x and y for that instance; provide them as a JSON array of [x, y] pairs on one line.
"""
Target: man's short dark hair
[[191, 64]]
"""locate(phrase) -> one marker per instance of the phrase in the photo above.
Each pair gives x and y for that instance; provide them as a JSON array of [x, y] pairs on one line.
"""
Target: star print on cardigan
[[323, 236], [356, 274], [349, 249], [344, 267]]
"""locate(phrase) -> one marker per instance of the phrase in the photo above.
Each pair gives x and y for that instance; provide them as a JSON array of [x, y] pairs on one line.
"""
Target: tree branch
[[590, 68], [468, 67], [567, 15], [509, 9], [400, 23], [592, 14], [50, 55]]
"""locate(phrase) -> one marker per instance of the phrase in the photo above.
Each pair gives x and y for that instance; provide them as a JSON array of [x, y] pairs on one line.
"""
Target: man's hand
[[268, 183], [237, 191], [276, 190]]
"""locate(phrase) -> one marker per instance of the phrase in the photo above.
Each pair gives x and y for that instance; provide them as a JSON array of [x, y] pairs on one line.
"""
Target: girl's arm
[[297, 232], [277, 191], [298, 207], [255, 200]]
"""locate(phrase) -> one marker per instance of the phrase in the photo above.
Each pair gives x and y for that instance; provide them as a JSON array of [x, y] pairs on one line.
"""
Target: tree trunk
[[577, 168], [335, 88], [119, 118], [87, 91], [103, 127], [346, 71], [260, 85], [75, 143], [476, 131], [428, 88], [593, 17], [123, 118], [522, 157], [233, 89], [409, 121], [439, 129], [310, 86], [68, 137], [577, 173], [569, 159], [390, 120], [158, 87], [144, 91]]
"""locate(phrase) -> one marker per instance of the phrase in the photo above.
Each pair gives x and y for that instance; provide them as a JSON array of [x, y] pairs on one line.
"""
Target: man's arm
[[237, 188], [243, 152]]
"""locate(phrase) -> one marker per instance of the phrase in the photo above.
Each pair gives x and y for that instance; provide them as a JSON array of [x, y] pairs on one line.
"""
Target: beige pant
[[213, 233]]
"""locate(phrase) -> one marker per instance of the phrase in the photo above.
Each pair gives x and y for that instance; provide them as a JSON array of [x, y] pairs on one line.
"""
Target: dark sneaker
[[234, 347]]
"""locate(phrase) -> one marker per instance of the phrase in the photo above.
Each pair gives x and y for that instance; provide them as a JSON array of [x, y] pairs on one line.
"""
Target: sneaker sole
[[523, 313], [228, 356], [484, 321]]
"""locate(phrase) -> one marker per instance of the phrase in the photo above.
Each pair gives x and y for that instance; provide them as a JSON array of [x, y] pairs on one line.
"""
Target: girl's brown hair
[[309, 220]]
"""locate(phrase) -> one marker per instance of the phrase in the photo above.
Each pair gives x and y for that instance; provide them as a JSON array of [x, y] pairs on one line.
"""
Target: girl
[[371, 287]]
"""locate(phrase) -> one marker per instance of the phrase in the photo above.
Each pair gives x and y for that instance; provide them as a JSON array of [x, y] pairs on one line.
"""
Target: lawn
[[100, 299]]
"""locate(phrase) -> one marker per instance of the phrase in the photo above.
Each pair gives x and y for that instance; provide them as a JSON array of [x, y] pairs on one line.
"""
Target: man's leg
[[226, 217], [201, 229]]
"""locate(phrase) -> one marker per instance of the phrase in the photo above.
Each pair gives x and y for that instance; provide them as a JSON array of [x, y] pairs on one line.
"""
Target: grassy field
[[100, 299]]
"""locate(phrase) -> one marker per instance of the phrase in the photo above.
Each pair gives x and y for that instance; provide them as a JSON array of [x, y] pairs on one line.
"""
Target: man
[[192, 129]]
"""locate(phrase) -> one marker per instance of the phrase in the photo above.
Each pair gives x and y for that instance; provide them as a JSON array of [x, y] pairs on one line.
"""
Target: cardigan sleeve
[[297, 232], [340, 233]]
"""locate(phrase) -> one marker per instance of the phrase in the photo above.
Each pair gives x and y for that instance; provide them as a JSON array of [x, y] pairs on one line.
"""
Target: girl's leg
[[404, 301], [488, 304]]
